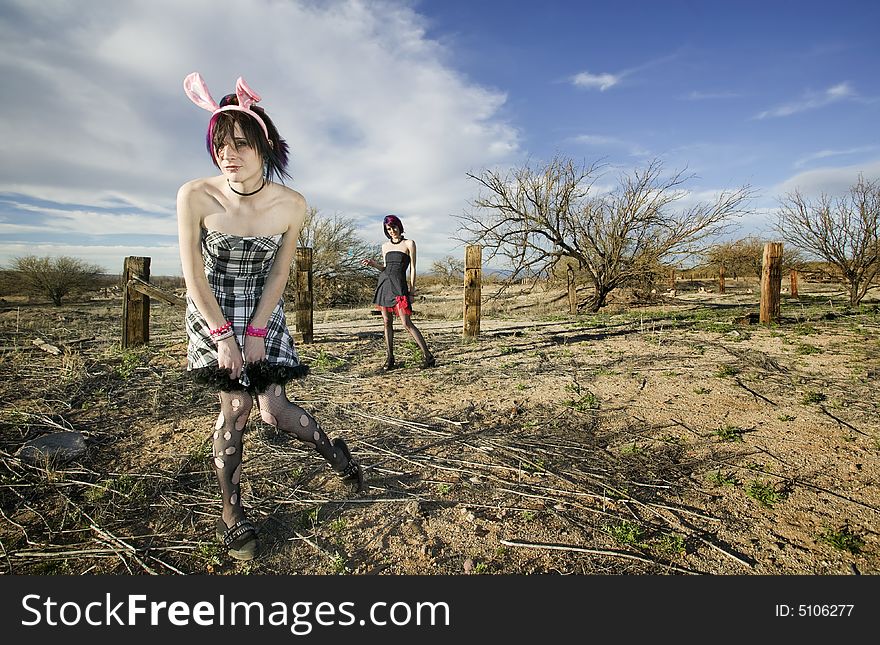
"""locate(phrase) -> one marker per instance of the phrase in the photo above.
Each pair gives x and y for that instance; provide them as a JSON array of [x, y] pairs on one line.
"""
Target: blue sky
[[388, 105]]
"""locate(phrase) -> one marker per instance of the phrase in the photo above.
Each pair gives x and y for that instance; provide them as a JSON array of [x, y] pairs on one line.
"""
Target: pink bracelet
[[259, 332], [222, 328]]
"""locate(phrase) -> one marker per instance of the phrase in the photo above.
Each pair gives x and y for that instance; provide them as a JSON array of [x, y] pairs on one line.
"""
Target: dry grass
[[652, 438]]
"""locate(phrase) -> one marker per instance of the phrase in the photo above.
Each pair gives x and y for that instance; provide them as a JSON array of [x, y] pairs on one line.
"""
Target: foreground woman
[[237, 233]]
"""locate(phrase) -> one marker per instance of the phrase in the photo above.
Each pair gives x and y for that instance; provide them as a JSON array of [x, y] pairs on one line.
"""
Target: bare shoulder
[[195, 190], [292, 205], [291, 198]]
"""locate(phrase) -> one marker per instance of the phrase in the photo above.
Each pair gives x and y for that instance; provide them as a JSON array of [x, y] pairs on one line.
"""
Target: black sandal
[[352, 474], [240, 539], [429, 362]]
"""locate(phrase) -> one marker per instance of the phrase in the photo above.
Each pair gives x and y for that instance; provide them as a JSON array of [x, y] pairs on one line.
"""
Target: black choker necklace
[[246, 194]]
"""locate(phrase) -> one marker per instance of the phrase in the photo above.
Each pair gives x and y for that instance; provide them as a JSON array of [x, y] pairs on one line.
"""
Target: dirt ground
[[673, 436]]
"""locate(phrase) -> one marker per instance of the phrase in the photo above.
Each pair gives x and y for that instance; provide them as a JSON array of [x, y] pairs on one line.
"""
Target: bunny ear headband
[[197, 91]]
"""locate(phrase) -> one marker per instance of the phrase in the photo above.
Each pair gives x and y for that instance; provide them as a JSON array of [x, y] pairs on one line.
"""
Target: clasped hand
[[230, 357]]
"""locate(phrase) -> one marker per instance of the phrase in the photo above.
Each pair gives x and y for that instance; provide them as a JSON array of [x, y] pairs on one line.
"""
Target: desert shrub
[[55, 278]]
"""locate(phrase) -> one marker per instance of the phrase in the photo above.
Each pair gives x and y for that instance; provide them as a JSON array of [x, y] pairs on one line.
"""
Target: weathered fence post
[[793, 279], [304, 298], [672, 278], [473, 269], [771, 282], [721, 285], [572, 292], [135, 305]]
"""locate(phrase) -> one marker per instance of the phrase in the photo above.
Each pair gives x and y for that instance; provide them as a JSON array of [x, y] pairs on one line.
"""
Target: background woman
[[396, 288]]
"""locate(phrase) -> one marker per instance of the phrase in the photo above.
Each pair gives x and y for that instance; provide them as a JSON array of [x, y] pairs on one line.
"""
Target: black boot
[[351, 474], [388, 365]]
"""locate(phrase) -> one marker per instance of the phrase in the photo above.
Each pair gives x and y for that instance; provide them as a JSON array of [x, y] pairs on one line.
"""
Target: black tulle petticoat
[[259, 376]]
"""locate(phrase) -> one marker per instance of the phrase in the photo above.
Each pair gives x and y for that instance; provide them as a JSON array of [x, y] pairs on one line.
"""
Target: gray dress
[[392, 291]]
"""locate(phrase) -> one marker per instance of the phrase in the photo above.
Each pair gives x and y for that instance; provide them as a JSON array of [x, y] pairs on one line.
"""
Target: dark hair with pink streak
[[391, 220], [222, 126]]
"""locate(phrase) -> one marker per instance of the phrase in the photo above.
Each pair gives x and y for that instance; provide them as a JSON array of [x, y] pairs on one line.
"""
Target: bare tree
[[534, 217], [337, 251], [55, 278], [841, 231], [746, 256], [449, 269], [737, 257]]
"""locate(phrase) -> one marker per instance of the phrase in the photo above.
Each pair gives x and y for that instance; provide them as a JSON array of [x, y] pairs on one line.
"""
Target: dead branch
[[841, 422], [612, 554], [753, 393]]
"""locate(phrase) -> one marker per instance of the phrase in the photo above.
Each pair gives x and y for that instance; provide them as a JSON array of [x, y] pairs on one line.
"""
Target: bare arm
[[189, 238], [277, 279], [295, 212], [370, 262], [412, 266], [191, 201]]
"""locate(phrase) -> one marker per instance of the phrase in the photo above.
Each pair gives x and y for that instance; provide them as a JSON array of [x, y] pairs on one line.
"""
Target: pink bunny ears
[[197, 91]]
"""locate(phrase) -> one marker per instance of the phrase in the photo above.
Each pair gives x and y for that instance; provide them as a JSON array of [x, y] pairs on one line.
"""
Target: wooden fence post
[[473, 269], [135, 305], [793, 279], [771, 282], [672, 278], [572, 292], [304, 297], [721, 285]]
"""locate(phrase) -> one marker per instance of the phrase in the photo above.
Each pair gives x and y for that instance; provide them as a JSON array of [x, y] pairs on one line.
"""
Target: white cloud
[[376, 120], [710, 96], [607, 80], [596, 140], [601, 82], [824, 154], [600, 141], [811, 101], [164, 258], [98, 223], [830, 181]]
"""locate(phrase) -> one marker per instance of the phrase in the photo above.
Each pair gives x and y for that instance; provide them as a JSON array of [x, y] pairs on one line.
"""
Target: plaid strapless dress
[[237, 268]]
